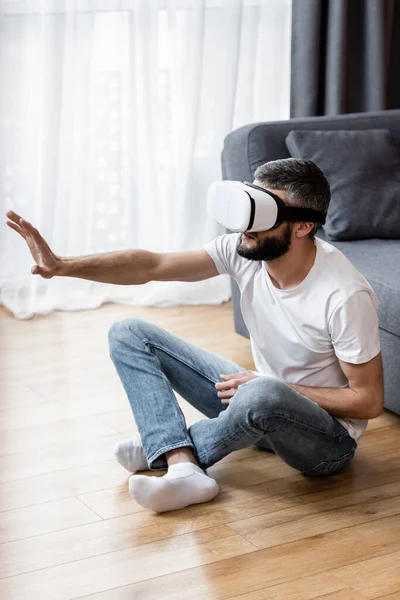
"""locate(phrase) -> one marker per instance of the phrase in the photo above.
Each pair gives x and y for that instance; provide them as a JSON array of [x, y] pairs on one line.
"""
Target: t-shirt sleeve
[[223, 252], [354, 328]]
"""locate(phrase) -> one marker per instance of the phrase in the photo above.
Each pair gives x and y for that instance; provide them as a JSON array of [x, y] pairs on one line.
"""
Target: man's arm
[[126, 267], [363, 399], [134, 267]]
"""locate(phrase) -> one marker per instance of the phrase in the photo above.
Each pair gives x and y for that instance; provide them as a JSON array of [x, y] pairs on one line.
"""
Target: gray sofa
[[379, 260]]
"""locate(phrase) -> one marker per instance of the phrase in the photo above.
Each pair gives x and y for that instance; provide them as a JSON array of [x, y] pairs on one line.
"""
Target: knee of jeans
[[122, 331], [263, 395], [265, 386]]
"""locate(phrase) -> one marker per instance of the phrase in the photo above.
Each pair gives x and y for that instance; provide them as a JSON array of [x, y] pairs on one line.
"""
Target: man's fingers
[[24, 225], [238, 376], [226, 385], [13, 216], [227, 393], [16, 228], [27, 225], [38, 239], [227, 397]]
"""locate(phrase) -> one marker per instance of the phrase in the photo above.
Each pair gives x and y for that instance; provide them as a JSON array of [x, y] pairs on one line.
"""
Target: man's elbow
[[376, 406]]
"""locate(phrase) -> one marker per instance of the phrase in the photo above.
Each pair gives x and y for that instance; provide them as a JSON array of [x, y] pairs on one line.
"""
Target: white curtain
[[112, 119]]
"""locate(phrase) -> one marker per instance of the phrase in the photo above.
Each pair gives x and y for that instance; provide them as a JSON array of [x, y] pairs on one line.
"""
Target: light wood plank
[[322, 523], [374, 578], [58, 485], [58, 458], [315, 518], [386, 420], [19, 396], [94, 539], [61, 410], [89, 349], [86, 541], [379, 442], [43, 518], [46, 380], [70, 580], [344, 595], [307, 588], [29, 439], [12, 359], [293, 591], [111, 503]]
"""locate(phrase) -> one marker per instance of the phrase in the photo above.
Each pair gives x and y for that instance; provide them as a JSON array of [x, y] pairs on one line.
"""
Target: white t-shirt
[[298, 335]]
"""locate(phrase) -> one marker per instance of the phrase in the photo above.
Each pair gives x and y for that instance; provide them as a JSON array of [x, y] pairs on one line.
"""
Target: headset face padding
[[242, 206]]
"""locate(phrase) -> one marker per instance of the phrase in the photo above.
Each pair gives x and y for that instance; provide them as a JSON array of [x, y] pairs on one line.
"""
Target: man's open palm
[[47, 262]]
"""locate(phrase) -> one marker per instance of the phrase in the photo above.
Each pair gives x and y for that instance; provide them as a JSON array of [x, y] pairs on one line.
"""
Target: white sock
[[184, 484], [129, 454]]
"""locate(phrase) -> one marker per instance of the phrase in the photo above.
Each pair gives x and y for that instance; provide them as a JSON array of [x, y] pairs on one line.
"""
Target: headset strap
[[285, 212], [294, 213]]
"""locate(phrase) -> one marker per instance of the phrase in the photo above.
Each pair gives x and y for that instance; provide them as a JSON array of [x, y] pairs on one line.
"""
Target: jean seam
[[319, 431], [306, 426], [164, 449], [330, 462], [177, 357]]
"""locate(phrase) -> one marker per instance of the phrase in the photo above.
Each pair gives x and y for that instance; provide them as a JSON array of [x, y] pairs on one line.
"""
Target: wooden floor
[[70, 530]]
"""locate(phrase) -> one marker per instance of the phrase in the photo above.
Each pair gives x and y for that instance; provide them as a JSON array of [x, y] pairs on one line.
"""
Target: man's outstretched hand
[[47, 263], [228, 387]]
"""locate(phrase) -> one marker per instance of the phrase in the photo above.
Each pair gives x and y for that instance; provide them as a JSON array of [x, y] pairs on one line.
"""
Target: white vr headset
[[243, 206]]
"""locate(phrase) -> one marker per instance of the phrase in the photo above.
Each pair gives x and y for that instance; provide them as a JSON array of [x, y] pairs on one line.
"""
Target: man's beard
[[268, 248]]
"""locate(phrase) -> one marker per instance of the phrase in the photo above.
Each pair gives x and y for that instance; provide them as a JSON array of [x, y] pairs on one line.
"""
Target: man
[[313, 325]]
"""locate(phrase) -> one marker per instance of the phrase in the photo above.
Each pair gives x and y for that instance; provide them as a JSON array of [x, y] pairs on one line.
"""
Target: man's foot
[[129, 454], [184, 484]]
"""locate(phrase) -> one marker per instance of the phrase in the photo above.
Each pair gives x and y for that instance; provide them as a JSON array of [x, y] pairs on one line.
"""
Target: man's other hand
[[228, 387]]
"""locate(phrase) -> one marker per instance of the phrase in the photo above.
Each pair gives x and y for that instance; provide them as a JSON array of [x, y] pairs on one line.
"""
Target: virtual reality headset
[[243, 206]]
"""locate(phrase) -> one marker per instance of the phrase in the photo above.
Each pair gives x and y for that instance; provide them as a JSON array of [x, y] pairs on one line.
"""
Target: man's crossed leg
[[152, 362]]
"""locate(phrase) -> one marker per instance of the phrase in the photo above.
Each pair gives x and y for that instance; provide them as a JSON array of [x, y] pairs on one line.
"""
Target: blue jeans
[[151, 363]]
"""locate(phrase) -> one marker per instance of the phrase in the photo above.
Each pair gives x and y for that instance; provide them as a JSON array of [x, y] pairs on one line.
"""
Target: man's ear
[[301, 228]]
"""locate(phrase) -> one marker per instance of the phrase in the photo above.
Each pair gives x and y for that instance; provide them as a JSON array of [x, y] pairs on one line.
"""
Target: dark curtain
[[345, 56]]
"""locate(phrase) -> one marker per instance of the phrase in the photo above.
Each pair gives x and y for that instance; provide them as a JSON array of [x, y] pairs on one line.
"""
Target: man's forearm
[[126, 267], [340, 402]]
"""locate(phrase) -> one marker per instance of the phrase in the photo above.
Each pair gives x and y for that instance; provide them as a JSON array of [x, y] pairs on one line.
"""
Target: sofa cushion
[[379, 262], [363, 170]]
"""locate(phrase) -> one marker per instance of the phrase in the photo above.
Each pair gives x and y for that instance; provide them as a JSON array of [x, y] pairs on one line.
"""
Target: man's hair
[[303, 182]]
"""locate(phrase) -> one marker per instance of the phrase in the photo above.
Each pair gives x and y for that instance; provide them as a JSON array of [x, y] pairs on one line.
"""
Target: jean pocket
[[330, 467]]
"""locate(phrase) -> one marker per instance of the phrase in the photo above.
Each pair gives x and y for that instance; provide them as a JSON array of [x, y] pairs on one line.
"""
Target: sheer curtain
[[112, 120]]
